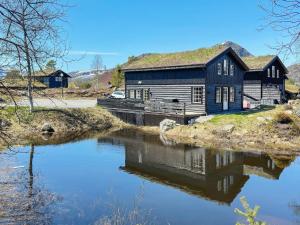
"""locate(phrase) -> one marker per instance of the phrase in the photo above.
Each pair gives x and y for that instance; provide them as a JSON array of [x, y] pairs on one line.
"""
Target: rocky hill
[[242, 52], [294, 73]]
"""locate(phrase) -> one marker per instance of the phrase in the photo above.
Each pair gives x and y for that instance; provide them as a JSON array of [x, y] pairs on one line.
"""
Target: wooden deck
[[147, 113]]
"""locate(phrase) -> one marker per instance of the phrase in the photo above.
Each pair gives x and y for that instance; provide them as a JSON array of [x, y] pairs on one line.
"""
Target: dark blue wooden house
[[53, 79], [264, 83], [207, 80]]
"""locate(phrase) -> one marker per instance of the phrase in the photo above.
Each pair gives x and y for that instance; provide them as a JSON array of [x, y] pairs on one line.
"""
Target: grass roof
[[21, 83], [187, 58], [258, 62]]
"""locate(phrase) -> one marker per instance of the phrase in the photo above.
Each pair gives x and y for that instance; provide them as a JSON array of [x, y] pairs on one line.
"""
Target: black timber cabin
[[207, 80], [264, 83], [53, 79]]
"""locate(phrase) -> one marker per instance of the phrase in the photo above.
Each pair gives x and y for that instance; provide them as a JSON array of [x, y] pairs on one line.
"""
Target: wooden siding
[[213, 80], [272, 92], [252, 88], [167, 77], [181, 92]]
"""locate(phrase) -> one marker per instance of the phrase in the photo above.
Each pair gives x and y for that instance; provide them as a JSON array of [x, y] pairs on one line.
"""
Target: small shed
[[53, 79]]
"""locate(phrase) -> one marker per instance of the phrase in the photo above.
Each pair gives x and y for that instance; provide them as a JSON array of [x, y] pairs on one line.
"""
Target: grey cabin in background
[[207, 80], [264, 83]]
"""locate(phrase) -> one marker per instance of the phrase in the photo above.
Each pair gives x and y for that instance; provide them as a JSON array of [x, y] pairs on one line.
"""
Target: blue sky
[[118, 28]]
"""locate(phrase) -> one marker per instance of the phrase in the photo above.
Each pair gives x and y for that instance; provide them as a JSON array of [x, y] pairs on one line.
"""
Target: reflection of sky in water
[[180, 185]]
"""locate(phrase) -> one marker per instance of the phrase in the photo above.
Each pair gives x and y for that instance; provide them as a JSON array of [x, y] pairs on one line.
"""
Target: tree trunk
[[29, 71]]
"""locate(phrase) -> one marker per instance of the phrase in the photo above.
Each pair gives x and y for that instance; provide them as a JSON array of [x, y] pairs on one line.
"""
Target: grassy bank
[[21, 126], [269, 129]]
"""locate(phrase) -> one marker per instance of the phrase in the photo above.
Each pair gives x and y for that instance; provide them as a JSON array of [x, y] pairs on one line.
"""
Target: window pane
[[269, 72], [231, 69], [219, 69], [138, 94], [273, 72], [197, 95], [131, 94], [146, 94], [278, 75], [218, 95], [225, 67]]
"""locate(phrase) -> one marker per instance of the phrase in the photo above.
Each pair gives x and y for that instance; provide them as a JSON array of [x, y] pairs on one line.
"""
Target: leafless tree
[[283, 16], [97, 66], [30, 35]]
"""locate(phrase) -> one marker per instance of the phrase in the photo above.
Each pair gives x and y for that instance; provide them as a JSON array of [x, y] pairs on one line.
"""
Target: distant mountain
[[294, 73], [242, 52], [84, 75]]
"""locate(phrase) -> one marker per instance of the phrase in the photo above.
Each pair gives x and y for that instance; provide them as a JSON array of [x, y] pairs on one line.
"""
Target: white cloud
[[93, 53]]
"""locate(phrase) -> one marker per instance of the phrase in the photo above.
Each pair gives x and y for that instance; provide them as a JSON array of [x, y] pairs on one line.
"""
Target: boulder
[[47, 128], [166, 125], [297, 112], [203, 119], [4, 123], [228, 128]]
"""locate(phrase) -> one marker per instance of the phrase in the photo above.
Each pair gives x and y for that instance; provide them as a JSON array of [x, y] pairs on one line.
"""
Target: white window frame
[[232, 69], [225, 67], [269, 72], [218, 94], [146, 94], [278, 73], [273, 71], [197, 95], [231, 94], [58, 79], [131, 94], [138, 94], [219, 68]]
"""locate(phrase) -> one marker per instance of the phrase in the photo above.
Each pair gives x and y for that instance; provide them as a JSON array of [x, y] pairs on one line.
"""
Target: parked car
[[118, 94]]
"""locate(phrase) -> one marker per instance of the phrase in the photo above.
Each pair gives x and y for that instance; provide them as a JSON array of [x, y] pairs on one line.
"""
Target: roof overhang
[[234, 54], [165, 68]]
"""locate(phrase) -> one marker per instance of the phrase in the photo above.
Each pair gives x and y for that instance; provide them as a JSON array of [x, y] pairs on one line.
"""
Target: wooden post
[[184, 109]]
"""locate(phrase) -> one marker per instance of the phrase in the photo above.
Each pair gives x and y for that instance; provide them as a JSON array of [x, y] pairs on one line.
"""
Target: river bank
[[274, 130], [19, 127], [269, 129]]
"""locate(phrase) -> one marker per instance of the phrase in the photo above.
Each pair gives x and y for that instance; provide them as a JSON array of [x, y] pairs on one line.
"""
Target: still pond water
[[143, 179]]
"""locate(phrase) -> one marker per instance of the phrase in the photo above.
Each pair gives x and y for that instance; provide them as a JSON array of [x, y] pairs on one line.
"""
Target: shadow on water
[[211, 174]]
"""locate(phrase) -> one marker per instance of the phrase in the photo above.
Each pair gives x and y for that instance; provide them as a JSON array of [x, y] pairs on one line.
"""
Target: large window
[[218, 95], [138, 94], [278, 74], [197, 95], [131, 94], [232, 94], [273, 71], [58, 79], [146, 94], [225, 67], [219, 68], [231, 69]]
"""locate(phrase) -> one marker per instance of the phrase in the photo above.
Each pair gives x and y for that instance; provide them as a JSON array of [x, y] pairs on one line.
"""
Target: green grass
[[241, 117]]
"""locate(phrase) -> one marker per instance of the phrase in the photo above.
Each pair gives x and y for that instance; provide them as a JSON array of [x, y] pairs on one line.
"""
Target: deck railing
[[147, 106], [165, 107]]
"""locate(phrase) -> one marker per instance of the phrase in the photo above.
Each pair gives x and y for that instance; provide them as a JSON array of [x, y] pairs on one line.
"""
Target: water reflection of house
[[213, 175]]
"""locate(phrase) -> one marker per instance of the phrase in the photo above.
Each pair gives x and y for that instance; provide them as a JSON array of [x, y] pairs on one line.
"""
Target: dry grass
[[258, 62], [199, 56], [291, 86], [66, 122]]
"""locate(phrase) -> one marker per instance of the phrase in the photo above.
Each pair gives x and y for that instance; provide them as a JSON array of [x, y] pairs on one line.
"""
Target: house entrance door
[[225, 98]]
